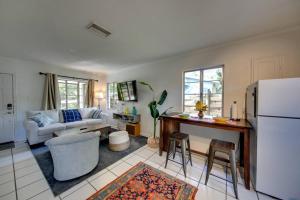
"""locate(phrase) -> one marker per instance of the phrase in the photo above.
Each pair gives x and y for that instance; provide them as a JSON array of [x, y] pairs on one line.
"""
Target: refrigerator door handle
[[254, 102]]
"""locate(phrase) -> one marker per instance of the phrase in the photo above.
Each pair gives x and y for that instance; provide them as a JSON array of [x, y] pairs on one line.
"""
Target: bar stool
[[227, 148], [184, 141]]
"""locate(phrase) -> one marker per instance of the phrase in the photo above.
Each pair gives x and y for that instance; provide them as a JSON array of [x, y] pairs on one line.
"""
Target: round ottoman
[[119, 141]]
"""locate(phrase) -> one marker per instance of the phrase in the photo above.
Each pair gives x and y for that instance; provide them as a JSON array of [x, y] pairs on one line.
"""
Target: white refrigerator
[[273, 109]]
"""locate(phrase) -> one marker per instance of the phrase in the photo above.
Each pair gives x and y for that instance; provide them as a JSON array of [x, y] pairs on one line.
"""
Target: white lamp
[[99, 96]]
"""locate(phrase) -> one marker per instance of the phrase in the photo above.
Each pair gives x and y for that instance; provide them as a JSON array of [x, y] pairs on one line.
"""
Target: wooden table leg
[[242, 149], [246, 155], [161, 142]]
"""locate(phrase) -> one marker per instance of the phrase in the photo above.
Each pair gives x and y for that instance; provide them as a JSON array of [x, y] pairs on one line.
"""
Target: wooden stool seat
[[179, 136], [222, 146], [227, 148], [184, 141]]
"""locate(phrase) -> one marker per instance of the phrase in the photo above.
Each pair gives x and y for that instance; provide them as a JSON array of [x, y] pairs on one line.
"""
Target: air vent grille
[[98, 29]]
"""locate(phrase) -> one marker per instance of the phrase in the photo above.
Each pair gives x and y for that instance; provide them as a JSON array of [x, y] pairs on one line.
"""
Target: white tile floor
[[18, 169]]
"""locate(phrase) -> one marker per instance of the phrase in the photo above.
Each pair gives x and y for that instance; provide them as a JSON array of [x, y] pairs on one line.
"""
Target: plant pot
[[200, 114], [153, 142]]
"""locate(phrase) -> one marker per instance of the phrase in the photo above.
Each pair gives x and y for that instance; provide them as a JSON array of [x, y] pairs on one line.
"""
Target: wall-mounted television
[[127, 91]]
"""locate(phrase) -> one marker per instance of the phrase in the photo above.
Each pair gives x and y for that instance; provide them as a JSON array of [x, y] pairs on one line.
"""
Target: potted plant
[[200, 107], [153, 141]]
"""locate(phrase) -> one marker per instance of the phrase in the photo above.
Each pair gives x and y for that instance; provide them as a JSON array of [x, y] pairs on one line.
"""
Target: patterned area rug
[[143, 182]]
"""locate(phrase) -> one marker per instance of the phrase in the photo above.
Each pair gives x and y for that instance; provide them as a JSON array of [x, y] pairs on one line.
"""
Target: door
[[278, 160], [267, 67], [6, 108]]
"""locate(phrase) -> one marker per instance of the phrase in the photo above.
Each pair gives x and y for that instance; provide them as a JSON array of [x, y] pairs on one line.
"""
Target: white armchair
[[74, 155]]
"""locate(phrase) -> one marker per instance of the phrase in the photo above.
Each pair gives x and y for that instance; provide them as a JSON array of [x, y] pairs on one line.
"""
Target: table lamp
[[99, 96]]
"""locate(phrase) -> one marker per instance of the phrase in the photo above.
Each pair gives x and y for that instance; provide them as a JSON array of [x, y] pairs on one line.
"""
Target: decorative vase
[[126, 110], [200, 114], [153, 142], [134, 110]]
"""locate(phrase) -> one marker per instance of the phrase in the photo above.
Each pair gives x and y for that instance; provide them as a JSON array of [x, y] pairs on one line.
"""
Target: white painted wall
[[29, 86], [275, 55]]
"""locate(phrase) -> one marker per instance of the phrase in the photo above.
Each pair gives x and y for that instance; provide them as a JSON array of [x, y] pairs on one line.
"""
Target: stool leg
[[168, 151], [183, 149], [189, 149], [233, 172], [174, 148], [210, 162]]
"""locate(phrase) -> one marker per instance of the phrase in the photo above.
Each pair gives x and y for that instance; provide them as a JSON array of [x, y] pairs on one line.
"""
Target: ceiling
[[54, 31]]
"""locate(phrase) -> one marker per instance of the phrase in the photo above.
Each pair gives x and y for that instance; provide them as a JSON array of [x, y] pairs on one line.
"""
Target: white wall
[[29, 86], [275, 55]]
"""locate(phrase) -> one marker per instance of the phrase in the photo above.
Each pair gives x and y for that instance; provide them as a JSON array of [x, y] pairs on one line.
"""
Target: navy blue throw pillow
[[71, 115]]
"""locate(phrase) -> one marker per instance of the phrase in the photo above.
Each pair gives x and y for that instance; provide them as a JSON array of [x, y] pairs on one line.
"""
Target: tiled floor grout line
[[205, 164], [29, 183], [26, 166], [91, 185], [6, 182], [6, 194], [257, 195], [74, 190], [15, 179], [112, 171], [27, 174], [226, 183], [4, 174], [37, 194]]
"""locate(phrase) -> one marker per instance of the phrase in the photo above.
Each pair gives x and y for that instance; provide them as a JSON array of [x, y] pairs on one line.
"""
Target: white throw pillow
[[53, 114], [86, 112], [41, 119], [96, 114]]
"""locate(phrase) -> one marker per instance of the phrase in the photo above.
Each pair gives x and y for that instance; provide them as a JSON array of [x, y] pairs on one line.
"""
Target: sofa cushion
[[86, 112], [93, 121], [41, 119], [53, 114], [71, 115], [75, 124], [96, 114], [51, 128]]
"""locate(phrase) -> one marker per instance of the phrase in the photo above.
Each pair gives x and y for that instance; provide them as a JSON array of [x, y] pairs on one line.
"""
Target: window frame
[[202, 69], [115, 94], [64, 81]]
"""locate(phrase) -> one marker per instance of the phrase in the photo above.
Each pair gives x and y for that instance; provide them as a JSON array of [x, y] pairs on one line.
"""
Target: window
[[112, 94], [72, 93], [205, 85]]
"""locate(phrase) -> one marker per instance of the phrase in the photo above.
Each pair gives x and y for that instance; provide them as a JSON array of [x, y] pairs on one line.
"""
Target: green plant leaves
[[146, 84], [163, 97], [153, 109]]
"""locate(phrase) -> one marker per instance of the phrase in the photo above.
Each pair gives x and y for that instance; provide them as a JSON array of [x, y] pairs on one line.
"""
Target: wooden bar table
[[171, 123]]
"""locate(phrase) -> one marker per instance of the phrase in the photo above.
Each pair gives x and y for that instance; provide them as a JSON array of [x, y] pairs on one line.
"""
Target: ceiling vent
[[98, 29]]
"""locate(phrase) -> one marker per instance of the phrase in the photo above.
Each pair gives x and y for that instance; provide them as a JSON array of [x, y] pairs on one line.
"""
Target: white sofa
[[37, 134], [74, 155]]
